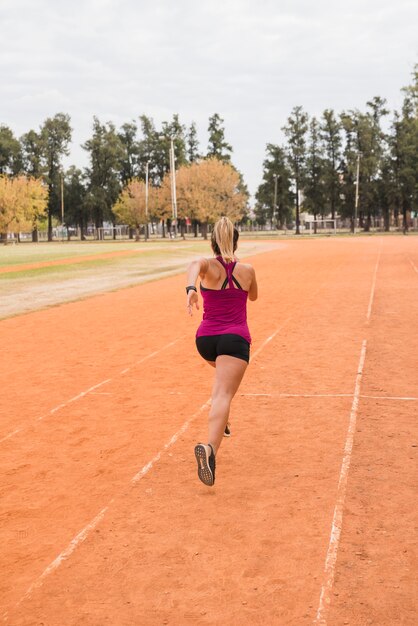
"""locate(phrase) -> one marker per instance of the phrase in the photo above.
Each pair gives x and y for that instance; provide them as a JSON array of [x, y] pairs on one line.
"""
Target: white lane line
[[298, 395], [369, 309], [90, 390], [266, 341], [323, 395], [413, 265], [83, 534], [65, 554], [331, 558], [409, 398], [168, 445]]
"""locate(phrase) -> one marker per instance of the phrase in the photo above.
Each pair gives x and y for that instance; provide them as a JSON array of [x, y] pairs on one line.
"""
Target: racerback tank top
[[225, 309]]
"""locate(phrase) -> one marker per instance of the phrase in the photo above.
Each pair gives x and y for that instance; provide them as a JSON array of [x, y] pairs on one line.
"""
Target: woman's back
[[224, 300], [216, 275]]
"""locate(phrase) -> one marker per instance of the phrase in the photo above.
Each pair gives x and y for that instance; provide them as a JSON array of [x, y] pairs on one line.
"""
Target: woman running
[[223, 338]]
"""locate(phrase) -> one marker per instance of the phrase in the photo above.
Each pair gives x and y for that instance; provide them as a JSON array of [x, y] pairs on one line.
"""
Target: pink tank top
[[225, 310]]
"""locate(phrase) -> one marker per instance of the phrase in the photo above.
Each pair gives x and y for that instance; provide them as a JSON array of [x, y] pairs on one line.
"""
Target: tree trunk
[[297, 215], [386, 220], [35, 235], [396, 217], [163, 225], [279, 218], [49, 226], [99, 233], [80, 227], [368, 223], [3, 238], [137, 233], [195, 228], [405, 226], [204, 229]]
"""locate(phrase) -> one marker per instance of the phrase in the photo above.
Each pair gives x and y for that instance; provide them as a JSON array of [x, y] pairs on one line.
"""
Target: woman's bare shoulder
[[245, 266]]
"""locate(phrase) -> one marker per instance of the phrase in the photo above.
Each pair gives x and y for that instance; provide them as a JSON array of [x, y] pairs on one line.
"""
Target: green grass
[[27, 253], [40, 252]]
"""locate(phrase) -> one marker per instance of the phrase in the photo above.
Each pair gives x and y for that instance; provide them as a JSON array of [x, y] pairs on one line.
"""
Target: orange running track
[[103, 519]]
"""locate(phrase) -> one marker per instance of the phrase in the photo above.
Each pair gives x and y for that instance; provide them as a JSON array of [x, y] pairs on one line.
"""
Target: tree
[[369, 143], [130, 207], [75, 193], [218, 148], [192, 144], [129, 160], [315, 172], [22, 202], [106, 153], [348, 168], [149, 152], [274, 200], [295, 131], [176, 131], [403, 153], [330, 132], [34, 202], [32, 154], [206, 190], [10, 153], [56, 137]]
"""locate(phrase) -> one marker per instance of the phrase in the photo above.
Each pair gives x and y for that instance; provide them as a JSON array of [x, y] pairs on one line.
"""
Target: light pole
[[62, 204], [173, 185], [275, 200], [146, 200], [357, 191]]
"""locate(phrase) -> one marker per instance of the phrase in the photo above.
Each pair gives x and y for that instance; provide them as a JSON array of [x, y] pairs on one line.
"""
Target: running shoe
[[227, 432], [205, 464]]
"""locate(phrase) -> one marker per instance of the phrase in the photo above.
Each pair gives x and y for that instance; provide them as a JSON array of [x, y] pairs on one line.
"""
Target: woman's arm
[[195, 269], [253, 290]]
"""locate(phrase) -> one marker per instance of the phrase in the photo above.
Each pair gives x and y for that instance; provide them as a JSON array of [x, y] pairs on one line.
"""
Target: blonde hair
[[224, 239]]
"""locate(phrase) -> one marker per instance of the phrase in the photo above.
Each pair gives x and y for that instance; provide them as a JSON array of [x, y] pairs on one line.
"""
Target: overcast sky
[[249, 60]]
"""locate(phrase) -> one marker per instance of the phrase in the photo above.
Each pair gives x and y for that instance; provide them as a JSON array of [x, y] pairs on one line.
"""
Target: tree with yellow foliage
[[206, 190], [23, 201], [130, 207]]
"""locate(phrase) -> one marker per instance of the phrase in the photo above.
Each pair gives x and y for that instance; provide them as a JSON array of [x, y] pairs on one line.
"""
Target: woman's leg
[[229, 373]]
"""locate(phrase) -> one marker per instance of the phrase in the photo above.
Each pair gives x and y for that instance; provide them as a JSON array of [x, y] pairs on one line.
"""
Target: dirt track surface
[[103, 518]]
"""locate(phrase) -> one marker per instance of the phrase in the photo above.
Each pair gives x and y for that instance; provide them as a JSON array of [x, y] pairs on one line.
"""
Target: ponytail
[[224, 239]]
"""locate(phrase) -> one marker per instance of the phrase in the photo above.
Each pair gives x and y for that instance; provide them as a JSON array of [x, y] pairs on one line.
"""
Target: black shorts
[[212, 346]]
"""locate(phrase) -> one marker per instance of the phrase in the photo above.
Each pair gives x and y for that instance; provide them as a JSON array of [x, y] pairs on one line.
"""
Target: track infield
[[312, 517]]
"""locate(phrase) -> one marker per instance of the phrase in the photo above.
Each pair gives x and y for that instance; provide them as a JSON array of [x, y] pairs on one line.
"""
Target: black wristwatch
[[191, 287]]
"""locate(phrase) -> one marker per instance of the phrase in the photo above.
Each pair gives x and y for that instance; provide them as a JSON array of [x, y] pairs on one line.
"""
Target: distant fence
[[156, 230]]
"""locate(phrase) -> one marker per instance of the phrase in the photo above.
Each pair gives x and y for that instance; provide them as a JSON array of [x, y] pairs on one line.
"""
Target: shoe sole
[[203, 470]]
